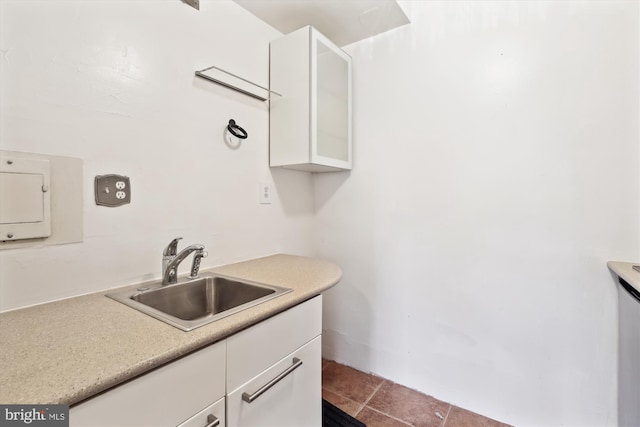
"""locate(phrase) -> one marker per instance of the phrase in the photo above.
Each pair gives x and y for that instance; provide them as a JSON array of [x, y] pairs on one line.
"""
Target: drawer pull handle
[[212, 421], [251, 397]]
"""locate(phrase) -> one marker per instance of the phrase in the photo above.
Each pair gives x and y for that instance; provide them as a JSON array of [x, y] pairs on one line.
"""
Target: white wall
[[496, 170], [112, 82]]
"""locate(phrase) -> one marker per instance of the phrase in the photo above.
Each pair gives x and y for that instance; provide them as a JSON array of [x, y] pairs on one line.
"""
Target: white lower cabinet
[[293, 401], [267, 375], [166, 396], [212, 416], [286, 347]]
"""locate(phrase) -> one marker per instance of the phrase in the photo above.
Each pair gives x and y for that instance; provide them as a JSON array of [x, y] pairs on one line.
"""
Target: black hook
[[236, 130]]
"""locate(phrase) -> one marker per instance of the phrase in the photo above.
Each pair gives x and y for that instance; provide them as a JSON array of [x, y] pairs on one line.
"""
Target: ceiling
[[342, 21]]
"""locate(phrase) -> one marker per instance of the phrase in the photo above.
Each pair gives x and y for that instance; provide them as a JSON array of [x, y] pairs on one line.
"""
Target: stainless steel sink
[[192, 303]]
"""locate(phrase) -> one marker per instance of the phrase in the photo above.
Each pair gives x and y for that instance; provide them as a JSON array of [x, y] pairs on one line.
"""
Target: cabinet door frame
[[315, 37]]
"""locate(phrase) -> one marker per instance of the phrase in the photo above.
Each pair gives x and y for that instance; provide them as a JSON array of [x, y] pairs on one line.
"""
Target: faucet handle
[[172, 247], [195, 265]]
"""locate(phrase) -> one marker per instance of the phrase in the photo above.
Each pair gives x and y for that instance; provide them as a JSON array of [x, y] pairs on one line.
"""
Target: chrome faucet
[[171, 259]]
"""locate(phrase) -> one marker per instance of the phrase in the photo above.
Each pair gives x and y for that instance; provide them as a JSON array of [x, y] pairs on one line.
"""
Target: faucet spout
[[171, 260]]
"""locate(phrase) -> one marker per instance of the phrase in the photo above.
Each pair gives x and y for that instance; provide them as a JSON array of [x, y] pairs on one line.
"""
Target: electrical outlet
[[112, 190], [265, 194]]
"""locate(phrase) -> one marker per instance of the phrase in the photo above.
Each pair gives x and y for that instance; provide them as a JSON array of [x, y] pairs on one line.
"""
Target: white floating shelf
[[237, 83]]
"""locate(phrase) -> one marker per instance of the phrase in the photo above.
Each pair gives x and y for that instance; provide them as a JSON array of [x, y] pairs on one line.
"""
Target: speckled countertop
[[66, 351], [626, 271]]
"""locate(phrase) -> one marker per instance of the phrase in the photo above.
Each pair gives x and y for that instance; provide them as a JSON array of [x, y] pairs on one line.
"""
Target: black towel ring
[[236, 130]]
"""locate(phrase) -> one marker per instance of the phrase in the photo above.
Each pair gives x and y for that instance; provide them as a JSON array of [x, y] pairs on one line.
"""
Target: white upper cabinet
[[310, 124]]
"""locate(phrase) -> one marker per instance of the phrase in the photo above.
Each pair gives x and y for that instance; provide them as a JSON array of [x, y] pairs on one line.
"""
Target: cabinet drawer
[[257, 348], [164, 397], [202, 418], [293, 401]]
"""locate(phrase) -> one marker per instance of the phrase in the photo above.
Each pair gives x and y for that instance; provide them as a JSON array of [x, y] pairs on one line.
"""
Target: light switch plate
[[112, 190], [265, 194]]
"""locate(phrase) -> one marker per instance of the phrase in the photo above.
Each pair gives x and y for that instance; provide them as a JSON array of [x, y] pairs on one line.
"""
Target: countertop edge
[[166, 358], [307, 277], [625, 271]]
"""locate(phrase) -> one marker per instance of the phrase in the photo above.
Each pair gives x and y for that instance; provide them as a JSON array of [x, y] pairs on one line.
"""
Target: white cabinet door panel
[[211, 416], [257, 348], [294, 401], [164, 397]]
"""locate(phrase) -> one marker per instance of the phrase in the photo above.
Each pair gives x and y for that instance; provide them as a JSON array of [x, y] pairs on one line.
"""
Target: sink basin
[[192, 303]]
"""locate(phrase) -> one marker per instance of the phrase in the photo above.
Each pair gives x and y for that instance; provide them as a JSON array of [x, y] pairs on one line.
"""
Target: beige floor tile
[[389, 404], [375, 419], [459, 417], [409, 405], [349, 382], [347, 405]]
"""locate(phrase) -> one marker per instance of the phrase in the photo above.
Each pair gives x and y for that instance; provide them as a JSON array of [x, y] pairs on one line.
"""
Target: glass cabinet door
[[331, 90]]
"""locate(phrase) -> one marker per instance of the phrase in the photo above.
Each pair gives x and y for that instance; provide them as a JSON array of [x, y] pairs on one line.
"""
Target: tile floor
[[381, 403]]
